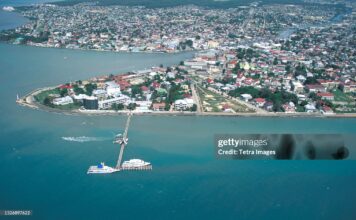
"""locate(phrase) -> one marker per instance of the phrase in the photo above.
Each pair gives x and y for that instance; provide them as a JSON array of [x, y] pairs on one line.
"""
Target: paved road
[[196, 98]]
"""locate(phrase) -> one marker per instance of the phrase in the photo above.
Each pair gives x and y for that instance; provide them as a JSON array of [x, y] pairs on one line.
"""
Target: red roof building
[[260, 102], [123, 84], [65, 86], [156, 85], [326, 95], [158, 106], [144, 88]]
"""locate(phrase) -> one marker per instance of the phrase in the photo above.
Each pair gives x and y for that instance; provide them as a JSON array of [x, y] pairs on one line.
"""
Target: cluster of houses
[[141, 91], [171, 29], [266, 65]]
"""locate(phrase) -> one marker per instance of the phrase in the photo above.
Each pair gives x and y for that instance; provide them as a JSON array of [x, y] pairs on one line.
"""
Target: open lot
[[213, 102]]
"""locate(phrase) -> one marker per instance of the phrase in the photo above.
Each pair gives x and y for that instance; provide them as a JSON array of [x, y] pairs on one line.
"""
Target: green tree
[[189, 43], [136, 90], [131, 106], [89, 88], [47, 101], [63, 92], [117, 107], [275, 61], [77, 90], [303, 103], [194, 108]]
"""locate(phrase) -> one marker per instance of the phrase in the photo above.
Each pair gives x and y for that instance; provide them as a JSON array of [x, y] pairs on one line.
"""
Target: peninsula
[[250, 60], [211, 83]]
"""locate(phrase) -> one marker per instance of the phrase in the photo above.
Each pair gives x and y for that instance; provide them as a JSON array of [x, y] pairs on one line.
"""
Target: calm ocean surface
[[47, 174], [43, 172], [10, 20]]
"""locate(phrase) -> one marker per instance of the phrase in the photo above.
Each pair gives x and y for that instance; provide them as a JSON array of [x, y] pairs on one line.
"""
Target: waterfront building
[[106, 104], [310, 108], [158, 106], [80, 97], [326, 96], [260, 102], [326, 110], [112, 88], [90, 103], [100, 93], [63, 100], [183, 104], [246, 97]]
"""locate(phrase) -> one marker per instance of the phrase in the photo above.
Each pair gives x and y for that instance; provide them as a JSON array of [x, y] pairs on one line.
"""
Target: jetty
[[123, 142], [133, 164]]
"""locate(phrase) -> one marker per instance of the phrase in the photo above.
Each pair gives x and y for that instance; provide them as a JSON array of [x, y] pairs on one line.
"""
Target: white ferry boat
[[134, 163], [8, 8], [119, 139], [101, 168]]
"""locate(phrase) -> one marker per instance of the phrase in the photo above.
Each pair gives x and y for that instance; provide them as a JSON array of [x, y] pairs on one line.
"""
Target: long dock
[[149, 167], [123, 143]]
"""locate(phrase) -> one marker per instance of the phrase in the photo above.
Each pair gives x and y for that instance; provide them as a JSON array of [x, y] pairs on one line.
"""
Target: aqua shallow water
[[10, 20], [47, 174]]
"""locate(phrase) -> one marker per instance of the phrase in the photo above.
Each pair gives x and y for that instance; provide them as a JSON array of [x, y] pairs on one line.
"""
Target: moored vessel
[[135, 164], [101, 169]]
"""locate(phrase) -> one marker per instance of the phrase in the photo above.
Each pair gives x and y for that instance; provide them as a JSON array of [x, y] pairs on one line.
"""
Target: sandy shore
[[29, 101]]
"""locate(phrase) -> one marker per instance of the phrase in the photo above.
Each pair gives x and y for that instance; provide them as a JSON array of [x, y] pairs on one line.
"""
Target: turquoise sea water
[[10, 20], [43, 172]]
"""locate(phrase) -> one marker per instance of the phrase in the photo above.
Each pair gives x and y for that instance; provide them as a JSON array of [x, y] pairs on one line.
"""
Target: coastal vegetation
[[278, 97]]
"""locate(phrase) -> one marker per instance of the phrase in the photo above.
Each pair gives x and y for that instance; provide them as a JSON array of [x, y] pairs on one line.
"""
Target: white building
[[100, 93], [143, 106], [298, 86], [310, 108], [106, 104], [63, 101], [80, 97], [183, 104], [112, 88], [246, 97]]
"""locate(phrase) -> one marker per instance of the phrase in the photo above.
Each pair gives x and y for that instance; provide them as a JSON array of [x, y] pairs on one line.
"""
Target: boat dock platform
[[149, 167], [134, 164]]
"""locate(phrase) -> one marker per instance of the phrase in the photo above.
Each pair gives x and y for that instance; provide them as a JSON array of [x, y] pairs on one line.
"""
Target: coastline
[[105, 51], [30, 102]]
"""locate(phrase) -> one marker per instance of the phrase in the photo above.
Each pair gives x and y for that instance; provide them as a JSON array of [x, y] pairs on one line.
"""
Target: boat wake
[[84, 139]]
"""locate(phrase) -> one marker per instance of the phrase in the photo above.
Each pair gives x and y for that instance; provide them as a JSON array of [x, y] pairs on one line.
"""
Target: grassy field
[[346, 109], [339, 96], [213, 102], [71, 106], [41, 96]]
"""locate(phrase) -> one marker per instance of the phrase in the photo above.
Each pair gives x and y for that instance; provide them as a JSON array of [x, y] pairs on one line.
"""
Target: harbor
[[179, 147], [133, 164]]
